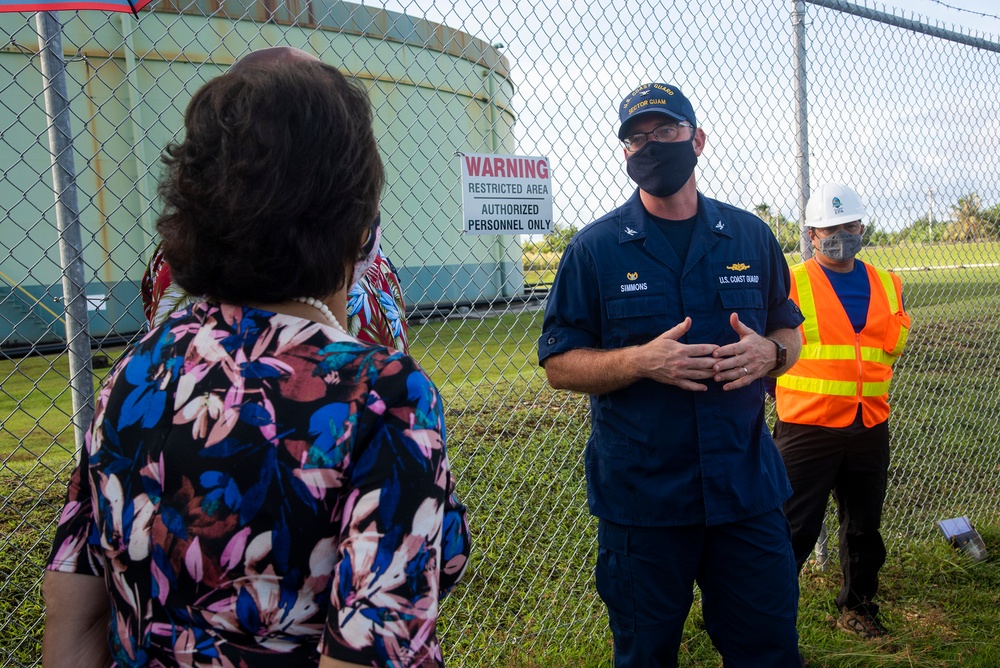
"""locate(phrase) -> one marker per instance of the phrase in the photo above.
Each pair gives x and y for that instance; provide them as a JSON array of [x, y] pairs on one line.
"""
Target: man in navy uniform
[[668, 311]]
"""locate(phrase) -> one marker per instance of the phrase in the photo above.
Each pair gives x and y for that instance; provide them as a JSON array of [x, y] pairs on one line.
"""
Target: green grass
[[528, 600], [35, 409], [941, 609], [463, 355], [919, 256], [29, 504]]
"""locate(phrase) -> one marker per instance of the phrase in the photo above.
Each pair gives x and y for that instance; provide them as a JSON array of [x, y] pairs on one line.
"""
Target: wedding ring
[[746, 372]]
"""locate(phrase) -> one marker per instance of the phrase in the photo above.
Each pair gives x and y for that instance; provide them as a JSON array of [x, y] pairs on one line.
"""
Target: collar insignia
[[720, 225], [629, 231]]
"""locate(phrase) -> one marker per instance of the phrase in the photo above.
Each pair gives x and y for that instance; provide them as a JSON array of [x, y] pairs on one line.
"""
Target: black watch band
[[781, 355]]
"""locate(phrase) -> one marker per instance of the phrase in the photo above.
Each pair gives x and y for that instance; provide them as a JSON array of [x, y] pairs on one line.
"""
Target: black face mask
[[661, 169]]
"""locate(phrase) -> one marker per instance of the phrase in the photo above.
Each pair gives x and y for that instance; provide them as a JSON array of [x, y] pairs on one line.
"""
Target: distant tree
[[968, 219], [538, 255], [868, 237], [991, 221], [921, 231], [785, 231], [875, 236], [562, 234]]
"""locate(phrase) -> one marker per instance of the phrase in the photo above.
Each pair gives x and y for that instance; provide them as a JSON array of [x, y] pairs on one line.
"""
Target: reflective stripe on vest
[[834, 388], [821, 352]]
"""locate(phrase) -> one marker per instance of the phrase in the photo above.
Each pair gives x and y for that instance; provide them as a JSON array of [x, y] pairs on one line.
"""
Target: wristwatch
[[781, 353]]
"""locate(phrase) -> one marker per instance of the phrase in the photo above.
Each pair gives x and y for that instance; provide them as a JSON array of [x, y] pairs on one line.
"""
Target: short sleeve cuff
[[786, 316], [562, 339], [72, 556]]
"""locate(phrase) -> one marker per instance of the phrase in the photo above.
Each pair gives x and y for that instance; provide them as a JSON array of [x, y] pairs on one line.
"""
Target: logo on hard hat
[[836, 202]]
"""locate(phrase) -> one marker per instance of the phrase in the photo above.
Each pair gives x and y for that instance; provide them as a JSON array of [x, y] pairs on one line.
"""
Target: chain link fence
[[903, 113]]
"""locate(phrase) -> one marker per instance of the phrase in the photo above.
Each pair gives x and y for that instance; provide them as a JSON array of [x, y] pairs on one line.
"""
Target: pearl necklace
[[322, 308]]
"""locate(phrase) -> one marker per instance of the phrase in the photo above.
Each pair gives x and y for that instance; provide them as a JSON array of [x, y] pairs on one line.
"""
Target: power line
[[963, 9]]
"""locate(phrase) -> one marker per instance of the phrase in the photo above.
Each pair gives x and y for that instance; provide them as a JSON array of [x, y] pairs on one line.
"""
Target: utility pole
[[930, 215]]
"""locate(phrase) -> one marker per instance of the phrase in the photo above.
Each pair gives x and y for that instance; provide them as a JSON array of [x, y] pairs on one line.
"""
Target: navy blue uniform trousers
[[749, 590]]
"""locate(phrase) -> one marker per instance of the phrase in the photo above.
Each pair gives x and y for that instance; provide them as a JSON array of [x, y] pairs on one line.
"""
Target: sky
[[911, 122]]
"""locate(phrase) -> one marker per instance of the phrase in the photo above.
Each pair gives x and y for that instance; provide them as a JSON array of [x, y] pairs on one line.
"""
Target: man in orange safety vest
[[833, 404]]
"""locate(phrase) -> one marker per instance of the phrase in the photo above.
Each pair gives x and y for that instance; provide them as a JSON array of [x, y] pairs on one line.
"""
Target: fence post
[[81, 374], [801, 117]]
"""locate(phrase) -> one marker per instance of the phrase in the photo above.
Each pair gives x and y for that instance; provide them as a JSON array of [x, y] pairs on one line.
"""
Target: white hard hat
[[833, 204]]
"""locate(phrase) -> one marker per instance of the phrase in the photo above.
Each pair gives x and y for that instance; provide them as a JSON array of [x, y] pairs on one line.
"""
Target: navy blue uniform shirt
[[659, 455]]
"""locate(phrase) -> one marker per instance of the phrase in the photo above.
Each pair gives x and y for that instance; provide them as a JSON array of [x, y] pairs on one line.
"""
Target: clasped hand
[[667, 360]]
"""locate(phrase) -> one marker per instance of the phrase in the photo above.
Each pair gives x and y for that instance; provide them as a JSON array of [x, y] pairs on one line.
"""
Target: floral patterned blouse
[[258, 489]]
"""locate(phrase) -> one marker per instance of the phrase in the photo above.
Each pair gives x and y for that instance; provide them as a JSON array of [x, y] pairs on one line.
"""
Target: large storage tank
[[436, 92]]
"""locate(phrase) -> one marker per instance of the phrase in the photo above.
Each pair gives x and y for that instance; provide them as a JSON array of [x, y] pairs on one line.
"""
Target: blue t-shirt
[[659, 455], [854, 292]]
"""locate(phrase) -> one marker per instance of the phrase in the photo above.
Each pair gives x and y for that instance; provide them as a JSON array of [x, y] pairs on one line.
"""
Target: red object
[[72, 5]]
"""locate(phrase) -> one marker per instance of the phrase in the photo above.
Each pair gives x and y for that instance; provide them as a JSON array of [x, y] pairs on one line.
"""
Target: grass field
[[516, 446]]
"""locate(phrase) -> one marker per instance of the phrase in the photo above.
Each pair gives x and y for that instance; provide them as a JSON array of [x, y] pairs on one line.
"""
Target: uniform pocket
[[635, 319], [613, 576], [745, 298], [748, 304], [643, 306], [635, 307]]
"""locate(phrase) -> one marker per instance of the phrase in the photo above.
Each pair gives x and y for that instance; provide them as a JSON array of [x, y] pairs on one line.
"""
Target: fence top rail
[[906, 24]]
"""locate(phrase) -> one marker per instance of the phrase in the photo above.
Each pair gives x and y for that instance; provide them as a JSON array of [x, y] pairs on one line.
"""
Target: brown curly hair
[[270, 193]]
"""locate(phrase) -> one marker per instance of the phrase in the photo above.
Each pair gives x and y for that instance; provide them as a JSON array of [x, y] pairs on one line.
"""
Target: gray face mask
[[840, 246]]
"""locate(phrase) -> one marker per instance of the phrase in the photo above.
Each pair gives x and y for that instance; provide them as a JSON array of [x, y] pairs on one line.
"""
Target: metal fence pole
[[68, 222], [822, 548], [801, 117]]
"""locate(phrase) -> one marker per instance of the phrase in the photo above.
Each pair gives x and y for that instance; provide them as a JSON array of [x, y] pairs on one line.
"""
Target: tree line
[[969, 220]]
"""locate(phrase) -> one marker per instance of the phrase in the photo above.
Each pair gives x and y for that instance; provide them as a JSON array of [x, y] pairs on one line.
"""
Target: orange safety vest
[[839, 369]]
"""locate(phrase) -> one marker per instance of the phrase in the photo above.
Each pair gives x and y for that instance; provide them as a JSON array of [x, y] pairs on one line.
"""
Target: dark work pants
[[746, 573], [853, 463]]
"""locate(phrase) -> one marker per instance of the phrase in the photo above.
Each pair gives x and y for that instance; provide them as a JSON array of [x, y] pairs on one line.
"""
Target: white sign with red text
[[506, 194]]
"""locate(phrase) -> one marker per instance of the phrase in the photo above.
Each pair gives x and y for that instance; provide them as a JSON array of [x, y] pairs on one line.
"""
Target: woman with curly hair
[[258, 487]]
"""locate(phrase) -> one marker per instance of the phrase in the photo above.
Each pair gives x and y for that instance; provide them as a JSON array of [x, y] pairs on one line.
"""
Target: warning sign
[[506, 194]]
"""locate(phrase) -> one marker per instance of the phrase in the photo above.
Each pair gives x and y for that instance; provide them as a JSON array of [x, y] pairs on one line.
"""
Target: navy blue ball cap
[[657, 98]]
